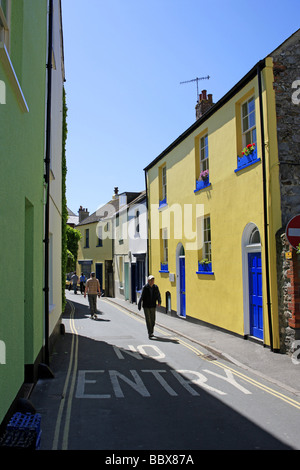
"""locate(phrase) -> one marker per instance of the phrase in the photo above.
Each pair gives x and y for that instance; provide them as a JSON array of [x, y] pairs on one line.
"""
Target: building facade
[[215, 202], [107, 244], [130, 248], [24, 44]]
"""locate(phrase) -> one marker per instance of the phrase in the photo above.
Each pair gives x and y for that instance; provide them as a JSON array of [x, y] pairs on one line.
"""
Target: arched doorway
[[180, 278], [252, 282]]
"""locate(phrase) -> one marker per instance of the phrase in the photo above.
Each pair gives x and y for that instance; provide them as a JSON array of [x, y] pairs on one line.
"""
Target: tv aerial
[[196, 80]]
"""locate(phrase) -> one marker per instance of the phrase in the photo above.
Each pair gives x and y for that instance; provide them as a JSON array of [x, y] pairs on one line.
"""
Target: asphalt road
[[115, 389]]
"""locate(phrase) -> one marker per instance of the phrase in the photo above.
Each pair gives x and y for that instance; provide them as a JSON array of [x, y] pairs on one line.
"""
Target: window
[[204, 154], [254, 237], [99, 236], [248, 122], [205, 264], [87, 238], [164, 182], [163, 186], [207, 239], [137, 224], [248, 137], [5, 22], [202, 162], [121, 272], [164, 267]]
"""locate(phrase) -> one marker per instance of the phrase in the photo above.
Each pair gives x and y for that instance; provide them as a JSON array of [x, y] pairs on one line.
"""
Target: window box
[[247, 160], [164, 268], [204, 268], [201, 184], [163, 203]]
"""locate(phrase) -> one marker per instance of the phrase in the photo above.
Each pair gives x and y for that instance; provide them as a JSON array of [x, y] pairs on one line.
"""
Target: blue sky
[[124, 62]]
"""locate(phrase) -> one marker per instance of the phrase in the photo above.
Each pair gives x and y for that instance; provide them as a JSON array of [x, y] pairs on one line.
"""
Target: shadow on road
[[124, 399]]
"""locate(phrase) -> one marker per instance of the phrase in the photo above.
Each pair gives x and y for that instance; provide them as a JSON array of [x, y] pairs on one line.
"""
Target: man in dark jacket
[[150, 295]]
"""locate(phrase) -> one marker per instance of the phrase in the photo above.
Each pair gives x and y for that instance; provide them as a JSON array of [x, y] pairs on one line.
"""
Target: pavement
[[280, 369]]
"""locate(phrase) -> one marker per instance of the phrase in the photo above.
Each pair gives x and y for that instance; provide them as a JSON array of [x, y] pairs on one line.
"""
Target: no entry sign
[[293, 231]]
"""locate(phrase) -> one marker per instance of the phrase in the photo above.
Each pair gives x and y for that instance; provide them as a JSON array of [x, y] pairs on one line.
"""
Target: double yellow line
[[67, 398], [244, 377]]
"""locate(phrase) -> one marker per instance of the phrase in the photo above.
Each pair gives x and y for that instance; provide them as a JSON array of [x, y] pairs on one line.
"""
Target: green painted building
[[23, 122]]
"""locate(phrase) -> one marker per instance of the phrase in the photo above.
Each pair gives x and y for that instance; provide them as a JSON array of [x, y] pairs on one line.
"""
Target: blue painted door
[[255, 295], [182, 286]]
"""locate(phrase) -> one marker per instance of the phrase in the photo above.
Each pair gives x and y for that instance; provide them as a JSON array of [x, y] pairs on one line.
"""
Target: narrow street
[[114, 389]]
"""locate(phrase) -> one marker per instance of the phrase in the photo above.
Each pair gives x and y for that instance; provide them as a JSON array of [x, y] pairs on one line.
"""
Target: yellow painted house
[[95, 249], [214, 212]]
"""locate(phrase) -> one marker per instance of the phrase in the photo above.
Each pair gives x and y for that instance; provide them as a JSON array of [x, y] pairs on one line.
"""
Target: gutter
[[47, 182], [260, 67]]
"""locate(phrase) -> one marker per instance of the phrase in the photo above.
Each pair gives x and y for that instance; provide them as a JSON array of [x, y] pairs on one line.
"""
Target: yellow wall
[[94, 252], [233, 200]]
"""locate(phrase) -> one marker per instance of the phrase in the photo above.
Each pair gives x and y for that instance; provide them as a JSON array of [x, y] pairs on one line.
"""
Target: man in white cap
[[150, 296]]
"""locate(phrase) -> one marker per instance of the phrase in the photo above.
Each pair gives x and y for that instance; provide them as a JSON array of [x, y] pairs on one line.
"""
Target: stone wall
[[286, 68], [288, 274]]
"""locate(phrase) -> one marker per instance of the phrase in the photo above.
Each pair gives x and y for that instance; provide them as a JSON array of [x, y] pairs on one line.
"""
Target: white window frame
[[164, 181], [203, 153], [248, 130], [207, 238], [5, 23], [5, 17], [165, 245]]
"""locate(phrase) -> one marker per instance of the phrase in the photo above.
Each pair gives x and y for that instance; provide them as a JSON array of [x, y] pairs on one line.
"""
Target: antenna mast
[[196, 80]]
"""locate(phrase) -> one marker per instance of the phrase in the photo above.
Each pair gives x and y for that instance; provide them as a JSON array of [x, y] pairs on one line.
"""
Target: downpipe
[[260, 66]]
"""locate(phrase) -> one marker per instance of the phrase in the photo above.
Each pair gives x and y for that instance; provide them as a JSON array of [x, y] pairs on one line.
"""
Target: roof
[[111, 208], [249, 76]]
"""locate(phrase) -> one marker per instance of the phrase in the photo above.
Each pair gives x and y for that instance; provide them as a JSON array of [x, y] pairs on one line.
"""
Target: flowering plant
[[204, 175], [249, 149]]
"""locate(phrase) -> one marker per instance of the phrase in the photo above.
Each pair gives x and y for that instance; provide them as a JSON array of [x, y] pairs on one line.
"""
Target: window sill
[[162, 204], [8, 67], [164, 268], [201, 185], [246, 161], [205, 269], [205, 273]]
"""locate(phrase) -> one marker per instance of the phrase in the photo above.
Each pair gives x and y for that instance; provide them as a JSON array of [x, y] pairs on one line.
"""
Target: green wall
[[22, 137]]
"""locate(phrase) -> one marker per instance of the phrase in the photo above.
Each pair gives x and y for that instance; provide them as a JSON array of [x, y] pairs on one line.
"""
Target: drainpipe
[[260, 66], [148, 223], [47, 181]]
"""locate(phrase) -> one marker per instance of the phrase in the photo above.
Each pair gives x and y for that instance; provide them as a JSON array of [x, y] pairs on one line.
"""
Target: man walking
[[92, 288], [74, 280], [150, 295]]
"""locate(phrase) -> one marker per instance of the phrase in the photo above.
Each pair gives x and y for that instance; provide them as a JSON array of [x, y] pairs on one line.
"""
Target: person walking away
[[82, 283], [149, 298], [92, 288], [74, 280]]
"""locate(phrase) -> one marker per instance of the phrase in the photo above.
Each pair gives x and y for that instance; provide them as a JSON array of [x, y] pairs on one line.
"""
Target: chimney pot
[[204, 104]]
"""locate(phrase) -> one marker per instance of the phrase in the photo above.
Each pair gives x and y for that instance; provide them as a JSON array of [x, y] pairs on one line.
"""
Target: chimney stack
[[116, 193], [205, 102], [83, 214]]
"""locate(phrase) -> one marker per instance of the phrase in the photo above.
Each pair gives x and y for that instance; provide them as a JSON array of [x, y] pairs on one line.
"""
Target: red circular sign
[[293, 231]]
